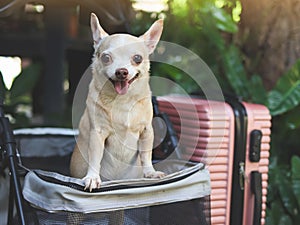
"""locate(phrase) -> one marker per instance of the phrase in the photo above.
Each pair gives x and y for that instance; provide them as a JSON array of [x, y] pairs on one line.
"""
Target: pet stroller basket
[[50, 196]]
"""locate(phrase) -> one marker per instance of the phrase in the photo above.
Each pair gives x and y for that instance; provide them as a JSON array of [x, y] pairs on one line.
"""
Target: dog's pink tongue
[[121, 87]]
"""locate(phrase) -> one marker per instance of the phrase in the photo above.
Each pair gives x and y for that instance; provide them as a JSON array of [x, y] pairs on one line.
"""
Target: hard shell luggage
[[232, 138]]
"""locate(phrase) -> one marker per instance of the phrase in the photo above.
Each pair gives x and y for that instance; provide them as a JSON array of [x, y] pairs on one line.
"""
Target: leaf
[[296, 177], [220, 16], [211, 32], [235, 72], [280, 103], [224, 20], [290, 120], [25, 82], [286, 192], [286, 94], [274, 98], [288, 79], [257, 91], [274, 213], [285, 220]]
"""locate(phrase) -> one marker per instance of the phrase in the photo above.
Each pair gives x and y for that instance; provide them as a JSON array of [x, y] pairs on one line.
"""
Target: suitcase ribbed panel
[[258, 119], [206, 134]]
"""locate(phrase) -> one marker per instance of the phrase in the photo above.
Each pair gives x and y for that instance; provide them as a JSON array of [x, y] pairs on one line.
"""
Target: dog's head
[[121, 58]]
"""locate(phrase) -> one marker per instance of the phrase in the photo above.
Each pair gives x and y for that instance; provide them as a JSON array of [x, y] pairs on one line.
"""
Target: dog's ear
[[152, 36], [97, 30]]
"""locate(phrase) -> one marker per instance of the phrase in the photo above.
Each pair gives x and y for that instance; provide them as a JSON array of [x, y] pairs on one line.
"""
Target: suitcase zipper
[[239, 164]]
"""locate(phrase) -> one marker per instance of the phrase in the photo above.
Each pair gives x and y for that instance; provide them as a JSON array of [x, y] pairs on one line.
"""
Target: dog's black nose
[[121, 73]]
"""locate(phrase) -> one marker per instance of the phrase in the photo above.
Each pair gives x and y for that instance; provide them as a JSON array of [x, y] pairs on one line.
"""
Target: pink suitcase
[[232, 138]]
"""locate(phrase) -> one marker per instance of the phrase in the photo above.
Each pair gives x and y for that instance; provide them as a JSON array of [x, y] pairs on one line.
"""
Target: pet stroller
[[41, 192]]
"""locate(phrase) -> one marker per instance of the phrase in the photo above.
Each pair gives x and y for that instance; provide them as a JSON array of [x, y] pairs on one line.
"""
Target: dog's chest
[[131, 117]]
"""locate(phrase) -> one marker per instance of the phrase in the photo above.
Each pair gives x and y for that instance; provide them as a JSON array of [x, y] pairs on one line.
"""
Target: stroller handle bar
[[1, 109], [8, 148]]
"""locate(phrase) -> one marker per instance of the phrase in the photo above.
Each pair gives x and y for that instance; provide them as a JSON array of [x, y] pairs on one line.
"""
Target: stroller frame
[[9, 159]]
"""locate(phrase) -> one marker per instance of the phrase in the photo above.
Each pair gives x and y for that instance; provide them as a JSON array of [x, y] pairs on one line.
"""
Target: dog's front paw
[[92, 182], [154, 174]]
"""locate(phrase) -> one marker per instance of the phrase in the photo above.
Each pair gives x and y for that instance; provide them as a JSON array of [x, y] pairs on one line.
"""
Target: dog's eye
[[106, 58], [137, 59]]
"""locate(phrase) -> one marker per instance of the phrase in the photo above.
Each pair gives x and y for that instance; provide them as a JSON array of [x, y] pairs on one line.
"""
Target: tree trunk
[[269, 36]]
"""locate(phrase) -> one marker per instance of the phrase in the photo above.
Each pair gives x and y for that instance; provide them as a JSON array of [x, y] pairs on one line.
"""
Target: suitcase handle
[[255, 144], [256, 188], [170, 142]]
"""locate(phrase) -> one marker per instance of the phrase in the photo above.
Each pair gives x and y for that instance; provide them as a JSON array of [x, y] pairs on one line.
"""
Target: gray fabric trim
[[45, 142], [53, 197], [46, 131]]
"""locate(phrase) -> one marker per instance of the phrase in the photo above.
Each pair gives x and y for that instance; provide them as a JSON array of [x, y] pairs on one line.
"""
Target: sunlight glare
[[150, 5], [10, 67]]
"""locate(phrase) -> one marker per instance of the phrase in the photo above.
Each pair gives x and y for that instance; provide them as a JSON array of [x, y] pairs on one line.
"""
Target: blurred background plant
[[18, 96]]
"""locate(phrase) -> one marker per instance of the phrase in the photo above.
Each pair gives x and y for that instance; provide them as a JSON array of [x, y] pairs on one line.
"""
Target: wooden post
[[53, 101]]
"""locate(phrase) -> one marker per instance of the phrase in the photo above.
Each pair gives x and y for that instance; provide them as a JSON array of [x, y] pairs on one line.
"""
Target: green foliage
[[284, 193], [219, 16], [283, 98], [235, 71], [286, 94], [17, 100], [296, 178], [198, 26]]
